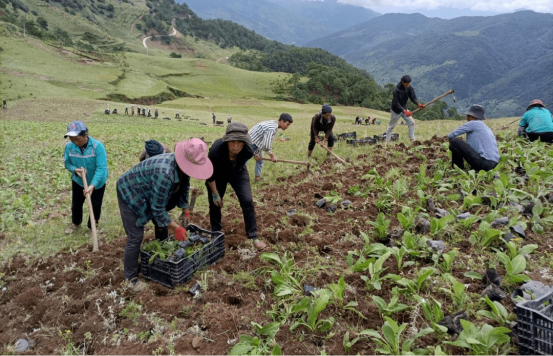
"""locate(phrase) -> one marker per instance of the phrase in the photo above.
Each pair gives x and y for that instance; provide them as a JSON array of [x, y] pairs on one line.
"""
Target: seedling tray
[[535, 326], [173, 273]]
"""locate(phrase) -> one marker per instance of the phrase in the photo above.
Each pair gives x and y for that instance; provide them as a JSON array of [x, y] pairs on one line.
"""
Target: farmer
[[148, 190], [373, 120], [537, 122], [214, 118], [153, 148], [262, 136], [358, 121], [143, 111], [368, 120], [114, 111], [132, 110], [156, 114], [480, 151], [229, 119], [323, 121], [401, 93], [106, 111], [177, 116], [4, 105], [149, 112], [229, 156], [126, 110], [85, 152]]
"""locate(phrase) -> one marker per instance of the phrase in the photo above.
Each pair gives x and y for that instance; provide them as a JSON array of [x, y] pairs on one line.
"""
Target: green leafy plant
[[497, 313], [381, 225], [259, 345], [347, 343], [448, 259], [390, 342], [485, 235], [481, 341], [438, 225], [338, 290], [131, 311], [514, 251], [373, 281], [514, 268], [333, 198], [161, 250], [457, 292], [313, 308], [407, 218], [387, 309], [399, 253], [399, 188], [432, 310], [285, 279], [413, 286]]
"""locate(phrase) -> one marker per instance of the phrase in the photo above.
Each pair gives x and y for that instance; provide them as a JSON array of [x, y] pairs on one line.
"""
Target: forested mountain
[[501, 62], [287, 21]]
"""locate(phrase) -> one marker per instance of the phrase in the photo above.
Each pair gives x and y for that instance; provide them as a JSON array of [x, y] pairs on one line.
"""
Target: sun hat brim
[[198, 170]]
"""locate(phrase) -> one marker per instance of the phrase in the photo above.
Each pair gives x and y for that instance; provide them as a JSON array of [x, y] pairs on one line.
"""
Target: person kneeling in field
[[262, 136], [85, 152], [151, 188], [480, 151], [229, 156], [537, 122], [323, 121]]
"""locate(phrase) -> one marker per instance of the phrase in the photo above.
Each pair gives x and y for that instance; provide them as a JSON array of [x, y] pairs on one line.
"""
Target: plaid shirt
[[147, 187]]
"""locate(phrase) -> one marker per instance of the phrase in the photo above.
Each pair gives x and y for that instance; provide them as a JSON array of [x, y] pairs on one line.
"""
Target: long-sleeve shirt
[[400, 95], [480, 138], [537, 120], [262, 135], [223, 167], [319, 124], [93, 159], [147, 187]]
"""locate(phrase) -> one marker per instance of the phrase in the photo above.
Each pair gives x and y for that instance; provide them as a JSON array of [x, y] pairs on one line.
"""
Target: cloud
[[500, 6]]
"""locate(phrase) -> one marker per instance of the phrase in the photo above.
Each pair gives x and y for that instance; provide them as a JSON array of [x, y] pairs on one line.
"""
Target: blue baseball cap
[[76, 128]]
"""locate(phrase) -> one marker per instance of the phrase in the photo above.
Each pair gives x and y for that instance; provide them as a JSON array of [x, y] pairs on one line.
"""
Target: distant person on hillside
[[156, 114], [114, 111], [374, 120], [229, 156], [149, 112], [262, 136], [4, 104], [402, 92], [106, 111], [150, 189], [323, 121], [368, 121], [177, 116], [480, 150], [143, 111], [229, 119], [537, 122], [214, 118], [126, 110], [132, 110], [358, 121], [85, 152]]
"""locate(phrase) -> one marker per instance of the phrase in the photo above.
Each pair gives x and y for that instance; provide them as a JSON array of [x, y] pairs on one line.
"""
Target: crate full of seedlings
[[535, 326], [362, 141], [345, 136], [393, 137], [171, 262]]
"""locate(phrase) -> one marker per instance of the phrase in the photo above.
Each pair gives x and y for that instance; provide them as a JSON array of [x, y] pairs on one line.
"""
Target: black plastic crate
[[171, 273], [345, 136], [535, 326], [362, 141]]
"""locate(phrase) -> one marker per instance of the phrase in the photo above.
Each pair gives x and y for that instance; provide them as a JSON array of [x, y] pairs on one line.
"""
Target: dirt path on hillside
[[147, 38], [132, 24]]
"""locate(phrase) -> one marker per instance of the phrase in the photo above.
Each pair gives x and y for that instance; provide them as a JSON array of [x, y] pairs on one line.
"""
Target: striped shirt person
[[262, 136]]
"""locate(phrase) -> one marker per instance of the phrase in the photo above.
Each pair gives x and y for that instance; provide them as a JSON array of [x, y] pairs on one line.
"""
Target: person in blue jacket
[[85, 152], [537, 122]]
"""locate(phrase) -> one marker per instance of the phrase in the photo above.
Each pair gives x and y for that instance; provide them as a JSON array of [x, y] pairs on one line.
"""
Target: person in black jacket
[[402, 92], [323, 121], [229, 156]]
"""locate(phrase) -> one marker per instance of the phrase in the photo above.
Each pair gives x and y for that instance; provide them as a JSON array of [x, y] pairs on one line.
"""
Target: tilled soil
[[80, 295]]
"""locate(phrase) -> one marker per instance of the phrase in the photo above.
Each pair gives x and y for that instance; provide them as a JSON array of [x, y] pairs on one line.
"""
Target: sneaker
[[259, 245], [135, 285], [71, 229]]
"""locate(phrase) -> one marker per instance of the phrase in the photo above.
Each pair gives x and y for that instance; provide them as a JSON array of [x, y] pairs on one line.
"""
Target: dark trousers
[[161, 232], [240, 182], [78, 200], [312, 142], [543, 136], [460, 151], [135, 235]]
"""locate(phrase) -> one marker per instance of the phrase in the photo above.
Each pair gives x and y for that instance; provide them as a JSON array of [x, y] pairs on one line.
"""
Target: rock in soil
[[490, 276], [430, 206], [463, 216], [440, 213], [519, 230], [493, 292], [500, 221], [197, 342], [422, 226], [436, 245]]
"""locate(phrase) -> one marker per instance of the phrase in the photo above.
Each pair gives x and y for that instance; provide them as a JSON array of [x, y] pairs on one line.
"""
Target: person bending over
[[323, 121], [537, 122]]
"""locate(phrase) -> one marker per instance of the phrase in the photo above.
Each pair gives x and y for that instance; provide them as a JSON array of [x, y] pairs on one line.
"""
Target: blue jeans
[[258, 164]]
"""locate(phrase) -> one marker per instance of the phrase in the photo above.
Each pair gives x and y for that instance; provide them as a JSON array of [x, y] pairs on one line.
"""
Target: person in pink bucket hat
[[150, 189]]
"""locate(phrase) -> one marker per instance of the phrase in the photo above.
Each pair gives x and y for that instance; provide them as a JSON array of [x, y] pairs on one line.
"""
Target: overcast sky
[[454, 8]]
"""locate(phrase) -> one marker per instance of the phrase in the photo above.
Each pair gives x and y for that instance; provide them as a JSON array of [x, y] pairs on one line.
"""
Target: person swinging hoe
[[323, 121]]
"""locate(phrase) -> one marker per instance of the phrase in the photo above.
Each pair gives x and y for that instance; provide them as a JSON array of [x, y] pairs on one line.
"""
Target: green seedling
[[259, 345], [457, 292], [387, 309], [375, 270], [399, 253], [347, 343], [481, 341], [497, 313], [432, 310], [407, 217], [333, 198], [485, 235], [389, 343], [413, 286], [438, 225], [313, 308], [381, 225], [514, 268], [448, 259]]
